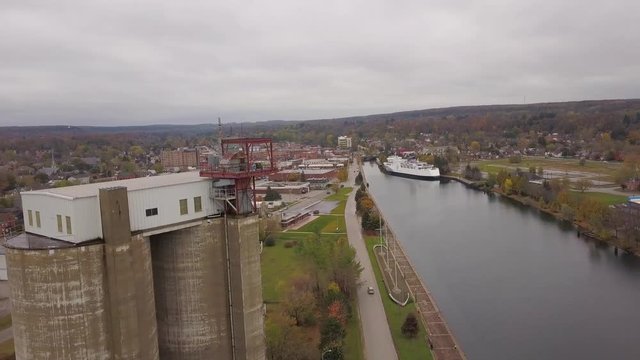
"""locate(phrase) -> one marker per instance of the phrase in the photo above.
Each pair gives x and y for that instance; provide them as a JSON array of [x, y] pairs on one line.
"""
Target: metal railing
[[7, 233]]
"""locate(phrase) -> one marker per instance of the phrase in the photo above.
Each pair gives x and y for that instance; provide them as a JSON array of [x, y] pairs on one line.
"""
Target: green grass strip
[[408, 349]]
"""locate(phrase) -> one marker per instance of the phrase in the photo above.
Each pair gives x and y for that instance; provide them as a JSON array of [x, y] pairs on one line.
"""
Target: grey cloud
[[125, 62]]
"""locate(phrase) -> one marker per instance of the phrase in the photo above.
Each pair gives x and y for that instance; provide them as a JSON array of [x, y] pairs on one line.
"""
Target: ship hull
[[412, 176]]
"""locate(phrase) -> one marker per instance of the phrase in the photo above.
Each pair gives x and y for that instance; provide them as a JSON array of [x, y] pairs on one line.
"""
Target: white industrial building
[[72, 213]]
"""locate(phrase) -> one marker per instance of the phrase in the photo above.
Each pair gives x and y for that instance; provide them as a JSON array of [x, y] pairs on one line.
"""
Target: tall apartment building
[[344, 142]]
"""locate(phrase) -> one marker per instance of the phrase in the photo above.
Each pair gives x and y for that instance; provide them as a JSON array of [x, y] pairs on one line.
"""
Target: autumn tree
[[285, 341], [518, 184], [343, 174], [501, 176], [630, 169], [329, 261], [299, 301], [474, 146], [268, 227], [337, 310], [472, 173], [583, 184], [567, 212], [507, 185]]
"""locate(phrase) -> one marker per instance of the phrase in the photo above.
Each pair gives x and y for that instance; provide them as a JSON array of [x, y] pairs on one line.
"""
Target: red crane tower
[[240, 162]]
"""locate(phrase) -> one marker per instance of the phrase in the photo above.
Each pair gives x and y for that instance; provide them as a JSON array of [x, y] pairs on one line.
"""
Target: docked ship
[[410, 168]]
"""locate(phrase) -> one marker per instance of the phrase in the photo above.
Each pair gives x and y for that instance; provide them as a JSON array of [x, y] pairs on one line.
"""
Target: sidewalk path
[[378, 344]]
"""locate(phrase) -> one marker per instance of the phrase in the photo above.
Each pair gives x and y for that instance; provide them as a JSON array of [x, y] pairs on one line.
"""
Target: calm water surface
[[512, 283]]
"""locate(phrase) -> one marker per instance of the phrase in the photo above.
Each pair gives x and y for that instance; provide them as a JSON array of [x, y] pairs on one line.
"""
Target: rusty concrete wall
[[189, 268], [246, 280], [130, 297], [58, 303]]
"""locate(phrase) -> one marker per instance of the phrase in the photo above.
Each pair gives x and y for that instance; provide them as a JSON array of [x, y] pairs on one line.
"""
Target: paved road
[[378, 344]]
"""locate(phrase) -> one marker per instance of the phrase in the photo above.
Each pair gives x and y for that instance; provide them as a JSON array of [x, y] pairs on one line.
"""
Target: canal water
[[511, 282]]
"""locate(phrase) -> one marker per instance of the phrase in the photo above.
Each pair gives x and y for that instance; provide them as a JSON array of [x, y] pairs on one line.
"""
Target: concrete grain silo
[[246, 287], [190, 278], [58, 299]]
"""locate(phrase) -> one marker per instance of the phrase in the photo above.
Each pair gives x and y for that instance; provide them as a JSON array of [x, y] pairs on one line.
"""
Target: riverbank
[[439, 337], [582, 228]]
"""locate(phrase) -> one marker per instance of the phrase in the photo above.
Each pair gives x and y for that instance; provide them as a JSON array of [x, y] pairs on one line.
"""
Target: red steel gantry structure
[[237, 162]]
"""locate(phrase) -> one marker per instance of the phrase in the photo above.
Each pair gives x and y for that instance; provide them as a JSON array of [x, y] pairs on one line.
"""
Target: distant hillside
[[564, 117]]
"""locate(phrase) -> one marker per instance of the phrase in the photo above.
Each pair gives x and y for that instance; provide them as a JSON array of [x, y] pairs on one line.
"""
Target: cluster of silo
[[192, 293], [209, 291]]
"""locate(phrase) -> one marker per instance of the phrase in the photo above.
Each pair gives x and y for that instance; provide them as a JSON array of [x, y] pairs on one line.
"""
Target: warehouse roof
[[90, 190]]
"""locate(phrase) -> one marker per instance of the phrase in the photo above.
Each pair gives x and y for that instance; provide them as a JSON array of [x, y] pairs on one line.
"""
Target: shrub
[[290, 243], [269, 241], [410, 327]]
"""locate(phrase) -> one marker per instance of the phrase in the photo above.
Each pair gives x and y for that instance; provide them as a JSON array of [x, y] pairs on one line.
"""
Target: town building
[[312, 176], [282, 187], [344, 142], [181, 158]]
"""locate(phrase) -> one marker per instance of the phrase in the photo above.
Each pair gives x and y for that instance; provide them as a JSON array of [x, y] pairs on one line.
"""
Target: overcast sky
[[116, 62]]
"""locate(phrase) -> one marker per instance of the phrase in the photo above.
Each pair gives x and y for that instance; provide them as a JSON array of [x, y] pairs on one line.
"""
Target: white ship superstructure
[[396, 165]]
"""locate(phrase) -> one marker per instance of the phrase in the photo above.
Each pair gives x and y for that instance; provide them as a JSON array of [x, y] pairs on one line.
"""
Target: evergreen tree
[[272, 195], [410, 327]]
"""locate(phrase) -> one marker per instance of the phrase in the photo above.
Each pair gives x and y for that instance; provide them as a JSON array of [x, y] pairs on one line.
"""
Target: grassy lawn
[[342, 194], [607, 199], [325, 224], [353, 347], [604, 169], [408, 349], [279, 264], [339, 210], [6, 350]]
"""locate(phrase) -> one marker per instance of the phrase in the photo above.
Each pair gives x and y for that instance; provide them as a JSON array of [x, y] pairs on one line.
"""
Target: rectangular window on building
[[197, 204], [30, 217], [37, 218], [184, 210], [68, 218], [152, 212], [59, 218]]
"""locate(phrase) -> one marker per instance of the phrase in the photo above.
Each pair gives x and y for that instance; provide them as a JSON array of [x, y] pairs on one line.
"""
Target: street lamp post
[[386, 242]]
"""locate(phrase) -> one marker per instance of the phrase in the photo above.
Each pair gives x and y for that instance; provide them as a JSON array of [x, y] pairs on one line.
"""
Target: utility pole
[[220, 135]]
